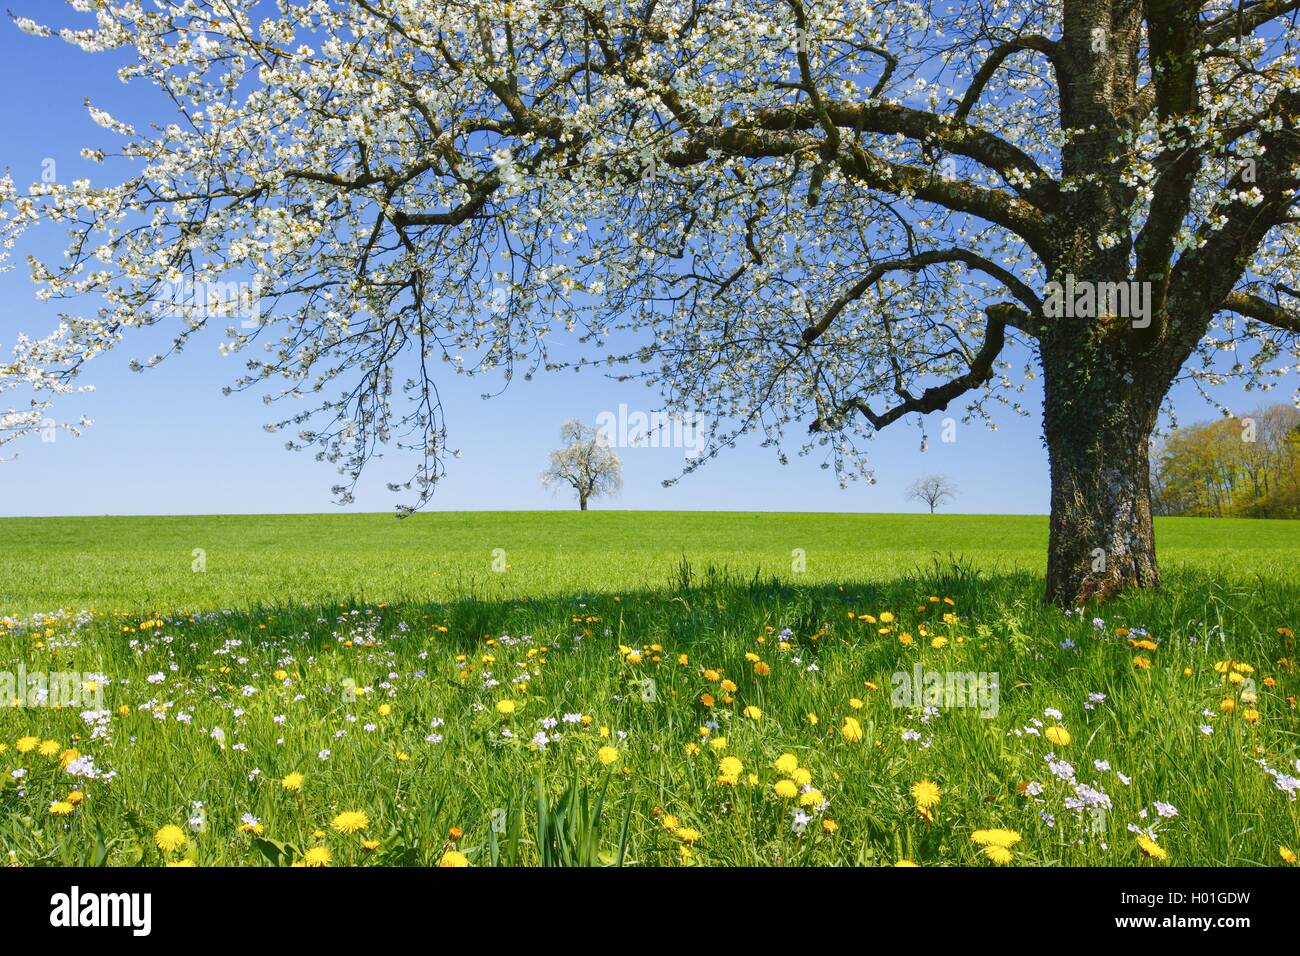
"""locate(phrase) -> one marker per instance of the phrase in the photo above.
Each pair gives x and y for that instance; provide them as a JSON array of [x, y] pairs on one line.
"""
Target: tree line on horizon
[[1247, 467]]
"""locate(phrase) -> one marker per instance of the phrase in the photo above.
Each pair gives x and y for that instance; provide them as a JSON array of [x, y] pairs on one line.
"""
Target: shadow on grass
[[696, 604]]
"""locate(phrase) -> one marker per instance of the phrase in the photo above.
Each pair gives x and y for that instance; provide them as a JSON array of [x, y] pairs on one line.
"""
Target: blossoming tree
[[804, 218], [585, 463]]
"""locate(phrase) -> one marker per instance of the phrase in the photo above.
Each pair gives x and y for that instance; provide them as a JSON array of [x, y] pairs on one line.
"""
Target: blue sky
[[166, 441]]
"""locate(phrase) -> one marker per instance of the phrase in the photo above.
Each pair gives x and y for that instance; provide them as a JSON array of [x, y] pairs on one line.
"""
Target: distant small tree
[[586, 463], [933, 490]]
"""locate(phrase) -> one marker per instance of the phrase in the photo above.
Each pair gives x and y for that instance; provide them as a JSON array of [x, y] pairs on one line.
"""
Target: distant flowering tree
[[934, 490], [798, 212], [586, 464]]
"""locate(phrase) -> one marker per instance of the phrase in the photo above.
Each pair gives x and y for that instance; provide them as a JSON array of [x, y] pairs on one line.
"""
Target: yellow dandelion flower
[[852, 730], [998, 854], [607, 755], [318, 856], [926, 794], [729, 770], [169, 837], [996, 837], [1150, 848], [786, 764], [350, 821], [292, 781], [1058, 735]]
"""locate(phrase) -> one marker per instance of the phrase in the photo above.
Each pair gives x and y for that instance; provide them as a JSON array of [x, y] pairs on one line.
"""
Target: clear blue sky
[[166, 441]]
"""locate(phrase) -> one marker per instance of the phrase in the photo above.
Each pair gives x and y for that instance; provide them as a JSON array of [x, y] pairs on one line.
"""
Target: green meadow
[[639, 689], [149, 564]]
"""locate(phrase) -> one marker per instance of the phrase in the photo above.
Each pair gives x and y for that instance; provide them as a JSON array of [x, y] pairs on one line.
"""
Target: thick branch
[[920, 261], [937, 397], [996, 57], [929, 130], [1245, 20], [1263, 310]]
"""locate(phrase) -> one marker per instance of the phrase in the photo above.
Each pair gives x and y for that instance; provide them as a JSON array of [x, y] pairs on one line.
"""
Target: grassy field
[[146, 565], [645, 689]]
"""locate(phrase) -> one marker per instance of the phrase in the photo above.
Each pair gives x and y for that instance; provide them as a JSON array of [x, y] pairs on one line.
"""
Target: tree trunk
[[582, 502], [1098, 441]]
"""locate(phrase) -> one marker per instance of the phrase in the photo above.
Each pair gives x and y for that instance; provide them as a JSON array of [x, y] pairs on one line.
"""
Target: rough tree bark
[[1101, 536]]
